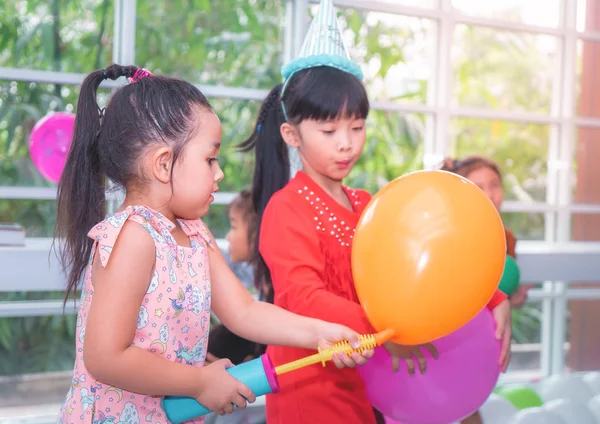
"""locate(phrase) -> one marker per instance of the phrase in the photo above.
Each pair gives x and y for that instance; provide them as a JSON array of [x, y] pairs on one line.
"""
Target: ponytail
[[81, 199], [272, 166], [271, 171]]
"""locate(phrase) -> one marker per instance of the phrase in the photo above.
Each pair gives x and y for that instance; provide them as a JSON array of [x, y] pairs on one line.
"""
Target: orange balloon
[[427, 255]]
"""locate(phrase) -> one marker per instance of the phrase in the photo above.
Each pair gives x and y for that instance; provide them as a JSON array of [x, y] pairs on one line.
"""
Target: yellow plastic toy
[[367, 342]]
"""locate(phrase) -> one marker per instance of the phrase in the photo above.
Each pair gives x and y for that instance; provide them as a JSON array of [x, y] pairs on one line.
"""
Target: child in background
[[222, 343], [486, 174], [150, 269], [240, 236], [307, 223]]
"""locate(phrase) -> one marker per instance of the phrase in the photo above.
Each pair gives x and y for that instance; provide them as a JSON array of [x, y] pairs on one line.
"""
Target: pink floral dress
[[173, 321]]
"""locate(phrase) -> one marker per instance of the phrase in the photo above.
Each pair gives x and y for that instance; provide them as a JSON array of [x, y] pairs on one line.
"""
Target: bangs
[[325, 93]]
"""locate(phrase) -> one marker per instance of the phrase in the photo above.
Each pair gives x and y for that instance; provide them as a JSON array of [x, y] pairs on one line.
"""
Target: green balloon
[[510, 276], [521, 397]]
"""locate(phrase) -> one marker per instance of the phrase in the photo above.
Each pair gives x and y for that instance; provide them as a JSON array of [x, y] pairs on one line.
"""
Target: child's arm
[[119, 289], [266, 323], [503, 318]]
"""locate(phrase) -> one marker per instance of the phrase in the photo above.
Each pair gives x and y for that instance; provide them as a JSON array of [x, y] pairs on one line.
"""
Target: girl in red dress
[[306, 224]]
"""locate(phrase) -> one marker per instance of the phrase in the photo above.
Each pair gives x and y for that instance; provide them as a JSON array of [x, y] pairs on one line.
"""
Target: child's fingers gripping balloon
[[408, 354]]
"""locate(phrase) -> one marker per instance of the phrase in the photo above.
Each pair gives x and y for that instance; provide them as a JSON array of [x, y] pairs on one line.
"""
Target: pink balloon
[[453, 387], [49, 144]]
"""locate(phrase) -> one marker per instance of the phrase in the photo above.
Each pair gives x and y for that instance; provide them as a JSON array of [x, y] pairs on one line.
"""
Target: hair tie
[[456, 164], [258, 127], [141, 73]]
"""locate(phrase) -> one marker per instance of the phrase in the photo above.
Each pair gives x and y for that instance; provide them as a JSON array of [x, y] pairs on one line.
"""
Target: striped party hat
[[323, 46]]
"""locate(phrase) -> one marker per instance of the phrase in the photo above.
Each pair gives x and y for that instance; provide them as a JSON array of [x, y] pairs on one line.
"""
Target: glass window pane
[[586, 177], [588, 56], [227, 42], [525, 225], [237, 118], [503, 69], [521, 151], [38, 217], [582, 340], [587, 16], [37, 344], [22, 104], [530, 12], [585, 227], [526, 336], [394, 147], [217, 220], [69, 36], [44, 349], [395, 52]]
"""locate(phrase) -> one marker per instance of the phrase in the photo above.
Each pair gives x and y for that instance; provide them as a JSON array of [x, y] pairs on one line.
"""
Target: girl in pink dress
[[149, 270]]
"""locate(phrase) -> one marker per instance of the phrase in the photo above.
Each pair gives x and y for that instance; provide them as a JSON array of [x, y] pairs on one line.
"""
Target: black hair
[[108, 144], [322, 94]]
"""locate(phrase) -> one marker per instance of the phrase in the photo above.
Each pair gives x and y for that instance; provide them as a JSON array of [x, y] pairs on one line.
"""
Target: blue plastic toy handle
[[258, 374]]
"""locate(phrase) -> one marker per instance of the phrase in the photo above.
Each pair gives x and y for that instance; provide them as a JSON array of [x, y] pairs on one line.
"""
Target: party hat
[[323, 46]]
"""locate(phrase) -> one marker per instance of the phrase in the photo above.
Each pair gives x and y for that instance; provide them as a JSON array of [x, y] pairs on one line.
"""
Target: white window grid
[[558, 207]]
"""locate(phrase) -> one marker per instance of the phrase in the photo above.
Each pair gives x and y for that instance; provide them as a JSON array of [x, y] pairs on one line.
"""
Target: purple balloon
[[49, 143], [453, 387]]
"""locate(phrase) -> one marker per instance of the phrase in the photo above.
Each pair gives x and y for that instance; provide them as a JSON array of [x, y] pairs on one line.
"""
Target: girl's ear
[[161, 163], [290, 134]]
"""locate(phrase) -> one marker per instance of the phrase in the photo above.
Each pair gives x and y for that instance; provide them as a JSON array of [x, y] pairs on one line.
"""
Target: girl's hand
[[220, 392], [406, 353], [503, 319], [328, 335], [518, 298]]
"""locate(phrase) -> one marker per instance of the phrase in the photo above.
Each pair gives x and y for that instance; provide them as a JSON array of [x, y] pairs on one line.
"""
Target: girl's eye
[[211, 160], [357, 128], [328, 132]]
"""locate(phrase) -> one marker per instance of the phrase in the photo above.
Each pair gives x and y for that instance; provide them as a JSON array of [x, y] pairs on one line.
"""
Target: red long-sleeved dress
[[305, 240]]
